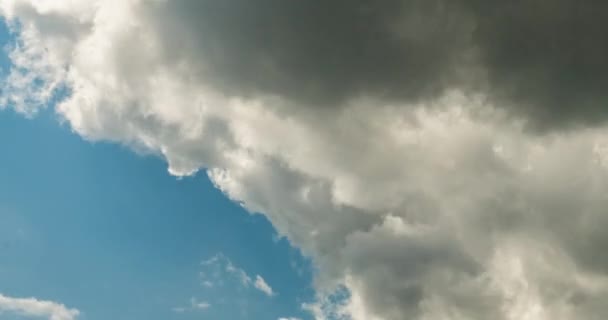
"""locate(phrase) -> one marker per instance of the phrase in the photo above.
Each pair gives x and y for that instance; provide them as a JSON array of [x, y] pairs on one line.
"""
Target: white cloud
[[179, 309], [219, 267], [32, 307], [444, 209], [261, 285], [195, 304], [201, 305], [243, 277]]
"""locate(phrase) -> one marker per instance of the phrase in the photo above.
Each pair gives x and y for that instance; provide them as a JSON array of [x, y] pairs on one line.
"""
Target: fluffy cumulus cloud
[[436, 159], [32, 307]]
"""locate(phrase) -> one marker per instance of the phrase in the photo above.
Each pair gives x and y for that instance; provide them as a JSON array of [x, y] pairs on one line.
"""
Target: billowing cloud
[[390, 141], [32, 307]]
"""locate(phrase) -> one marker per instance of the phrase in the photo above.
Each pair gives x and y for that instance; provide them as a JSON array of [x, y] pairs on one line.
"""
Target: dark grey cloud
[[320, 52], [544, 60]]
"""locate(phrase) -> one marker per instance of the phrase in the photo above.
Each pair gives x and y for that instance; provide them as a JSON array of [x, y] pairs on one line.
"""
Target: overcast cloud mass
[[436, 159]]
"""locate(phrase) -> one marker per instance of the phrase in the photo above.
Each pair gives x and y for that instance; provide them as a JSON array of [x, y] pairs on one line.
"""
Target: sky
[[111, 233], [318, 160]]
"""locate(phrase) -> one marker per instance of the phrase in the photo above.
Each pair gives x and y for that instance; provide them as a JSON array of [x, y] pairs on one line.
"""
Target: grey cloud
[[540, 60], [546, 59], [318, 52]]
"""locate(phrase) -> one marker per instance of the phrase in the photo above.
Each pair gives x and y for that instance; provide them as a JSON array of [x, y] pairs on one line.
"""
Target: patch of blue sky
[[112, 234]]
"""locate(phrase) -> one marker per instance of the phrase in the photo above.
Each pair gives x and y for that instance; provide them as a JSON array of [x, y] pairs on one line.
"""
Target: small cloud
[[219, 263], [213, 260], [179, 309], [200, 305], [194, 305], [240, 273], [261, 285], [32, 307], [225, 281]]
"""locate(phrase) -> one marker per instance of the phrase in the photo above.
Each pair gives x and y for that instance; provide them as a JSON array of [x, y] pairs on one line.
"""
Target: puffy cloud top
[[32, 307]]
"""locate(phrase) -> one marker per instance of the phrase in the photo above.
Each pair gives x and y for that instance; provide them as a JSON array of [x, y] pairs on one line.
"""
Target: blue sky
[[110, 233]]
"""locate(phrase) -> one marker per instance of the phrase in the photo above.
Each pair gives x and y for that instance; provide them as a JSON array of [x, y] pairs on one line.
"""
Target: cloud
[[261, 285], [537, 59], [32, 307], [195, 304], [218, 269], [201, 305], [243, 277], [389, 141]]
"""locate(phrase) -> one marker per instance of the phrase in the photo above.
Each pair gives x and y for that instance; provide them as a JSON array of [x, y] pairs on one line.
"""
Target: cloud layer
[[391, 141]]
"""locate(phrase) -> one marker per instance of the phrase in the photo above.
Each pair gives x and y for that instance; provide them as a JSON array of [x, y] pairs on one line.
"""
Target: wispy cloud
[[261, 285], [243, 277], [195, 304], [33, 307], [219, 267]]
